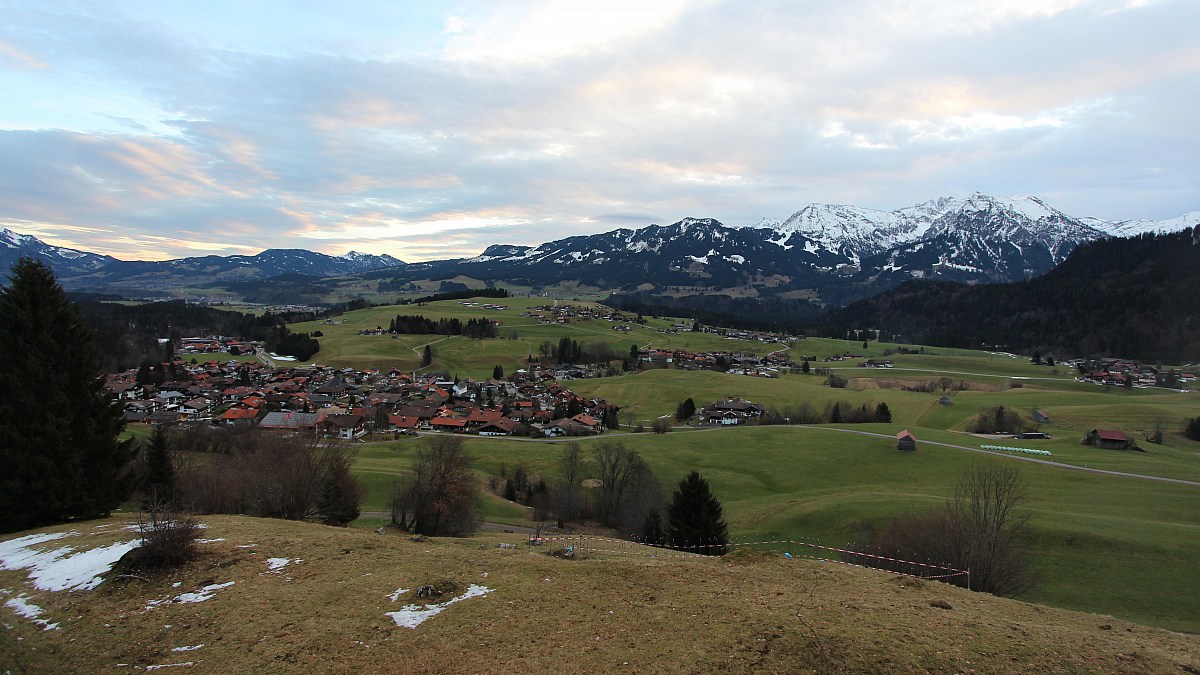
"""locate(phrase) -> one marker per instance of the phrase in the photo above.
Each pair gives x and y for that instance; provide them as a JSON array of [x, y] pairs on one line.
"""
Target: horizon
[[154, 132]]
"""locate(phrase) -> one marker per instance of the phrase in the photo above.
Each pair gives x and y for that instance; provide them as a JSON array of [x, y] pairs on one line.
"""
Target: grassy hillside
[[1095, 534], [326, 607], [519, 337]]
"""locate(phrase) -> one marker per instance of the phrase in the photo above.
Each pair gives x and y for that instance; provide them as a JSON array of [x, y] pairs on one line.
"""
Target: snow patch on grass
[[190, 648], [276, 564], [201, 595], [22, 606], [411, 616], [61, 569]]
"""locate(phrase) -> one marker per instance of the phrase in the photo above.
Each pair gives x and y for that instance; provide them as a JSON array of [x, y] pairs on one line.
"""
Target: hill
[[274, 595], [1131, 298]]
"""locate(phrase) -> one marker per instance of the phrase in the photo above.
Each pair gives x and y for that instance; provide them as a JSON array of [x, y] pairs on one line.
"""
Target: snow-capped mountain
[[1133, 228], [64, 261], [828, 253]]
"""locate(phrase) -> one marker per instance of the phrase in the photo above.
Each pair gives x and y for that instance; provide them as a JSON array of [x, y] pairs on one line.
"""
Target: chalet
[[500, 427], [738, 406], [591, 423], [404, 423], [1108, 438], [239, 417], [906, 441], [344, 426]]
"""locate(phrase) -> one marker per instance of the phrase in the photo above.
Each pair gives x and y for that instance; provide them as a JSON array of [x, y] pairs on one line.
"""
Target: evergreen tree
[[160, 471], [685, 410], [58, 425], [427, 356], [883, 413], [498, 372], [694, 517], [805, 368]]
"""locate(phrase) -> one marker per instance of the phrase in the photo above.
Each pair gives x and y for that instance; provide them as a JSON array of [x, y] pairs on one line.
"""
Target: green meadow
[[1118, 545], [519, 338]]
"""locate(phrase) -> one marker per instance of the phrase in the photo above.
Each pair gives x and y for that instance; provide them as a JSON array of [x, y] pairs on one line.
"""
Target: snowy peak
[[370, 261], [1133, 228]]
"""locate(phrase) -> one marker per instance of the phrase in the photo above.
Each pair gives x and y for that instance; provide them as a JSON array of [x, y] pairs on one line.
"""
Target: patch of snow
[[190, 648], [208, 541], [396, 596], [61, 569], [411, 616], [201, 595], [276, 564], [736, 259], [30, 611], [189, 664]]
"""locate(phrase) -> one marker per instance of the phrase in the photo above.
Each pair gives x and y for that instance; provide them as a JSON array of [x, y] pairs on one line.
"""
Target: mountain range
[[825, 254]]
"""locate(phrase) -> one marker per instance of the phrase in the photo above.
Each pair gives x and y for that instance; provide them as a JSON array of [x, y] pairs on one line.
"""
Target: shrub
[[168, 540], [998, 419], [1192, 429]]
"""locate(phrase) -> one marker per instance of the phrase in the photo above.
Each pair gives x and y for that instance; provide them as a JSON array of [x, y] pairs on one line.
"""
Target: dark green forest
[[1128, 298]]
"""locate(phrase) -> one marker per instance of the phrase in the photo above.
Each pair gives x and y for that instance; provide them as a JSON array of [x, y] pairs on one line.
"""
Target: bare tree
[[570, 463], [440, 491], [619, 471], [982, 529]]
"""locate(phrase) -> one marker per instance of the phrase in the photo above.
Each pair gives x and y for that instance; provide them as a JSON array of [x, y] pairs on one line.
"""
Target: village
[[350, 404]]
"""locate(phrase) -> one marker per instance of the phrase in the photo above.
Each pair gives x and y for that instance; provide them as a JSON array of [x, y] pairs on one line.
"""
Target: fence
[[596, 547]]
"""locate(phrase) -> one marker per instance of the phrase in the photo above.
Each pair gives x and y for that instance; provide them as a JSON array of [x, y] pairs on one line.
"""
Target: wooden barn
[[1109, 438], [906, 441]]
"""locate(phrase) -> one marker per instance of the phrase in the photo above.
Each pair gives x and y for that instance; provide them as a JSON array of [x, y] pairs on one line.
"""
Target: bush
[[168, 540]]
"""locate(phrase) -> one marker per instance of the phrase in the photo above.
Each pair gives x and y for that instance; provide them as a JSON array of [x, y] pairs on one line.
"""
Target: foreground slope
[[293, 596]]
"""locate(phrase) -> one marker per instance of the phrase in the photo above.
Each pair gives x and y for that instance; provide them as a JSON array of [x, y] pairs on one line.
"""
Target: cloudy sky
[[151, 129]]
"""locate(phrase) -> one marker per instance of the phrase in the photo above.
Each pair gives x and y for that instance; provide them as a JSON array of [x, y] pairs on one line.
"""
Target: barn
[[1109, 438], [906, 441]]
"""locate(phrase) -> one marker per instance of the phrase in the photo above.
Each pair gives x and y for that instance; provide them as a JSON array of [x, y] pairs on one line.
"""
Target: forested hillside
[[1133, 298]]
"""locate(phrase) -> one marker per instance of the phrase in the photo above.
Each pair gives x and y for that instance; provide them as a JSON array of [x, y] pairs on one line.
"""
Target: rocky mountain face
[[64, 261]]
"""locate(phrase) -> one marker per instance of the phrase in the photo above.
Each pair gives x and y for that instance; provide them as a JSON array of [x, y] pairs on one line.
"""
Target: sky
[[156, 129]]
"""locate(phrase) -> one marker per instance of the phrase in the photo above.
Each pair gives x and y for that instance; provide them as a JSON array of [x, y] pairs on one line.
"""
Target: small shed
[[945, 400], [1109, 438], [1041, 417], [906, 441]]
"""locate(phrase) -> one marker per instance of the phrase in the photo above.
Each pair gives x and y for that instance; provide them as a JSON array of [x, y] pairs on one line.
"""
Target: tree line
[[416, 324]]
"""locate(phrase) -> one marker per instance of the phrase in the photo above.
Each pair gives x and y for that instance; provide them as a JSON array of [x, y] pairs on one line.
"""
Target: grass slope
[[752, 612]]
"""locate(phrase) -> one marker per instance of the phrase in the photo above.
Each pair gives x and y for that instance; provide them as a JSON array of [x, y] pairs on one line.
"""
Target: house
[[500, 427], [1108, 438], [906, 441], [456, 424], [344, 426], [239, 417], [1040, 417]]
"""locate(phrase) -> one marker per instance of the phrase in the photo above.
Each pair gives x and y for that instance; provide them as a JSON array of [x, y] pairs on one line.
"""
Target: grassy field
[[1103, 543]]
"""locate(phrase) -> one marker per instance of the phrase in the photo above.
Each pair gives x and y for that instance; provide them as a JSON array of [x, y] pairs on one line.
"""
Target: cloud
[[524, 122]]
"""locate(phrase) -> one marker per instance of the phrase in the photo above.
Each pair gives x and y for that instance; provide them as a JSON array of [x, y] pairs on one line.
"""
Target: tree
[[694, 518], [685, 410], [159, 483], [58, 426], [883, 413], [1192, 429], [661, 425], [617, 469], [570, 462], [804, 367], [498, 372], [980, 529], [337, 502], [440, 490], [427, 356]]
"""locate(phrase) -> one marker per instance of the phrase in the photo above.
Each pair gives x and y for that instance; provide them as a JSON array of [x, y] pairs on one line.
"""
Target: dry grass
[[750, 612]]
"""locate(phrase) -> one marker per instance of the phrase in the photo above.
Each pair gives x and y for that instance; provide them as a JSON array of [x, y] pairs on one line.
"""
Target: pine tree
[[58, 426], [883, 413], [694, 517], [160, 471]]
